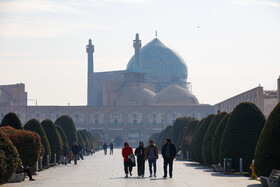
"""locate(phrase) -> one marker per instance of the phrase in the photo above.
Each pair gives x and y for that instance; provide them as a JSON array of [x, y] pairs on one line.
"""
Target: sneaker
[[164, 176], [150, 175], [130, 174], [155, 175], [126, 176], [170, 176], [31, 179], [142, 175]]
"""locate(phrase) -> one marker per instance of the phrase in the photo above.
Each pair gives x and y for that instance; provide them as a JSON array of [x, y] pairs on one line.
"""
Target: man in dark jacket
[[75, 150], [65, 152], [168, 152], [139, 152]]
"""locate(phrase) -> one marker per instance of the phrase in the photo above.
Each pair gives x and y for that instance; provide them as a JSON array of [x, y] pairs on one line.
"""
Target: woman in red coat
[[126, 151]]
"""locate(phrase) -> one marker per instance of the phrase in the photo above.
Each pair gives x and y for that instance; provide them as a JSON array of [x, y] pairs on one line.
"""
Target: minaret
[[137, 46], [90, 51]]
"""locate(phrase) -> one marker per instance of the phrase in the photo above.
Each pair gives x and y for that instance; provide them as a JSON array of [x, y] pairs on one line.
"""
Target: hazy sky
[[42, 43]]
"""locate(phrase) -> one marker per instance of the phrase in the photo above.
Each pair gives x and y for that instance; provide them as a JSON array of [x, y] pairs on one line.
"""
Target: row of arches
[[115, 117]]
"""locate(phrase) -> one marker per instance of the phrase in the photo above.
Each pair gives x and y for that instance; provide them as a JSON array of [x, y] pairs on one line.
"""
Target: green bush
[[177, 130], [165, 134], [217, 138], [187, 137], [9, 158], [54, 139], [267, 152], [11, 119], [98, 138], [81, 142], [194, 139], [207, 140], [86, 139], [28, 144], [68, 125], [241, 134], [199, 138], [35, 126], [62, 134]]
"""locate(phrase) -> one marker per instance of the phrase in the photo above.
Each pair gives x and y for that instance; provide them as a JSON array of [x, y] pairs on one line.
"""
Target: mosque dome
[[175, 95], [160, 63]]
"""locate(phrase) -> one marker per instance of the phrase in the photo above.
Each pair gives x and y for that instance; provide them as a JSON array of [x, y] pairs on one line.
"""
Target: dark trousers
[[127, 166], [111, 151], [27, 171], [168, 161], [141, 167]]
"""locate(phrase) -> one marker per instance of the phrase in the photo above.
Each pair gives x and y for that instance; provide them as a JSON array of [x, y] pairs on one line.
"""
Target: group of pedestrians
[[149, 153], [75, 153], [105, 146]]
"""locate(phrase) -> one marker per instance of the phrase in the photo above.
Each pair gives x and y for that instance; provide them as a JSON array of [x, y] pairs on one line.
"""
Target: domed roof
[[175, 95], [160, 62], [142, 94]]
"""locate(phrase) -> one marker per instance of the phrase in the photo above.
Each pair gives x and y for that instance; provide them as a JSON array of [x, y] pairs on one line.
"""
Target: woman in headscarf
[[139, 152]]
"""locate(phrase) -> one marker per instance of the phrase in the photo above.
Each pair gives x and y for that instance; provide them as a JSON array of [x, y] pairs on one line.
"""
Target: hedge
[[9, 158], [241, 135], [194, 139], [199, 138], [62, 134], [216, 140], [54, 139], [177, 130], [68, 125], [86, 139], [188, 133], [154, 136], [207, 140], [35, 126], [11, 119], [267, 152], [81, 142], [28, 144]]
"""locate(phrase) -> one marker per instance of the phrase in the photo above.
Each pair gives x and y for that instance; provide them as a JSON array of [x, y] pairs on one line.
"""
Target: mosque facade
[[129, 104]]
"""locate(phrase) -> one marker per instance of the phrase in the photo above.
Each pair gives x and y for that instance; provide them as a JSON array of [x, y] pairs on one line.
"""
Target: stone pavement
[[100, 170]]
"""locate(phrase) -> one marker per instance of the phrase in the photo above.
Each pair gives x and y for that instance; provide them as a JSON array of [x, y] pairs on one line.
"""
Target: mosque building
[[134, 103]]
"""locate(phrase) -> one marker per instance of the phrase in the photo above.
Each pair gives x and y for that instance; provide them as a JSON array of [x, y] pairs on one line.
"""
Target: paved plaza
[[100, 170]]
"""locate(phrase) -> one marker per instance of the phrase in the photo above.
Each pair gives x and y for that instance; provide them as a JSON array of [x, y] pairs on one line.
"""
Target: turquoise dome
[[160, 63]]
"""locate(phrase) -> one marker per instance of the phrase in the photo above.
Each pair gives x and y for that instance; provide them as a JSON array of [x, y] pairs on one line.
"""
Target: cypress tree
[[267, 152], [35, 126], [241, 134], [11, 119], [53, 137], [187, 137], [62, 134], [207, 140], [217, 138]]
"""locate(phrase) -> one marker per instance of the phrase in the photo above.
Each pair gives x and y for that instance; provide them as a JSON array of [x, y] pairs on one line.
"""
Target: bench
[[17, 177], [273, 180]]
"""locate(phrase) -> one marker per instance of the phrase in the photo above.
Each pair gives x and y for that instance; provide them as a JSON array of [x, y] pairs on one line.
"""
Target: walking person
[[65, 152], [80, 152], [111, 148], [139, 152], [169, 153], [105, 148], [151, 153], [126, 151], [75, 150]]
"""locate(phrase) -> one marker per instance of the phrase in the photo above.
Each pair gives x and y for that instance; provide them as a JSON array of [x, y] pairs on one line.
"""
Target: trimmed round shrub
[[68, 125], [207, 140], [28, 144], [62, 134], [9, 158], [267, 152], [98, 138], [165, 134], [241, 135], [35, 126], [86, 139], [54, 139], [199, 136], [194, 139], [11, 119], [217, 138], [177, 130], [81, 142], [187, 137]]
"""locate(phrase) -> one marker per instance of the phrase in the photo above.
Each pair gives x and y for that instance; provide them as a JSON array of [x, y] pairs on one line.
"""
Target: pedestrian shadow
[[191, 164], [113, 178], [158, 179], [254, 185]]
